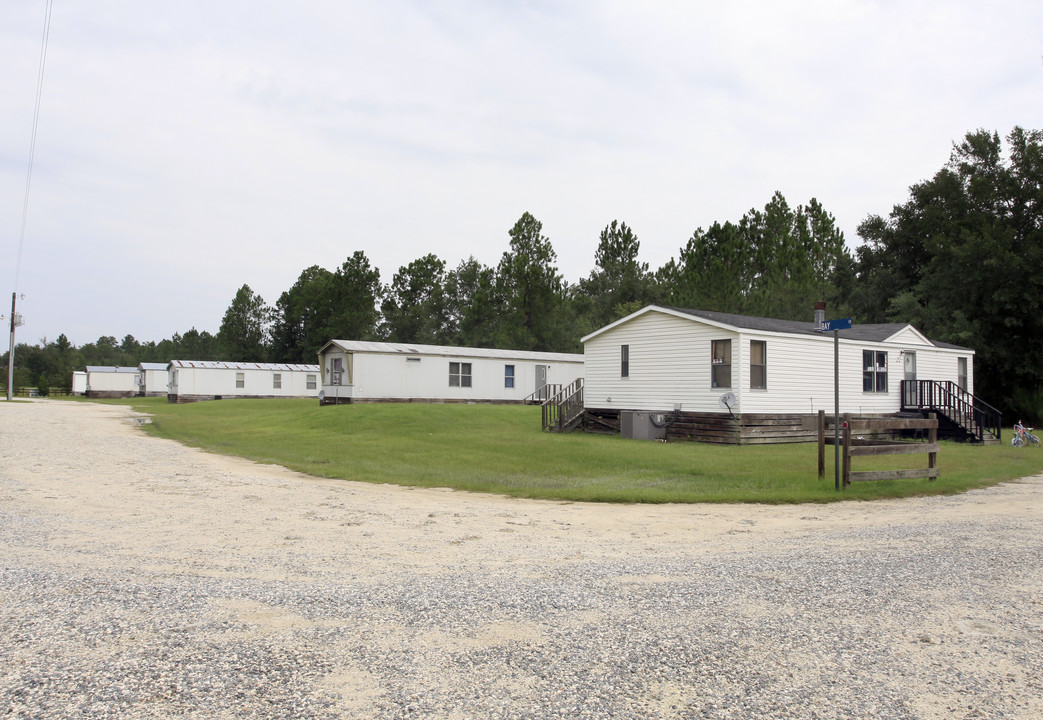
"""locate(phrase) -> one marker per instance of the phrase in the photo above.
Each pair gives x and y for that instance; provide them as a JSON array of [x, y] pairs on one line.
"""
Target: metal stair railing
[[972, 414], [562, 409]]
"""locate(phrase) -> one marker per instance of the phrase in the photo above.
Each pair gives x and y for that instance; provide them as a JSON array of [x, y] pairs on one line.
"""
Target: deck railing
[[972, 414], [562, 408], [543, 394]]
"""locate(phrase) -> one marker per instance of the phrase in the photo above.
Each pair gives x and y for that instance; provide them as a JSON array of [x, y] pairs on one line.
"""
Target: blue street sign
[[842, 324]]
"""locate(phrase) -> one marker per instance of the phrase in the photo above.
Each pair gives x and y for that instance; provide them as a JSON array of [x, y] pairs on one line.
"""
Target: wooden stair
[[961, 416], [563, 411]]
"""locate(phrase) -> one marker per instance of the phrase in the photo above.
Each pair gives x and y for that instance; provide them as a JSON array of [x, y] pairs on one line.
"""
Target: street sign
[[842, 324]]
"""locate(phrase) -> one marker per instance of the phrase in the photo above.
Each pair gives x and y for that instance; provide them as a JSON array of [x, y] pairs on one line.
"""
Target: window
[[961, 373], [277, 381], [459, 374], [721, 364], [240, 380], [874, 371], [758, 365], [508, 376], [310, 380], [338, 371], [624, 361]]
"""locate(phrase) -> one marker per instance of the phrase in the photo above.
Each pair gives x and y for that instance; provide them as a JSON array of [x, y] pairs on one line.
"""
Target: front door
[[911, 396], [541, 380]]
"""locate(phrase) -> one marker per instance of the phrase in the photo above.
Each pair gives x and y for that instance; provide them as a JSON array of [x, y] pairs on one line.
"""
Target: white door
[[541, 381], [909, 366]]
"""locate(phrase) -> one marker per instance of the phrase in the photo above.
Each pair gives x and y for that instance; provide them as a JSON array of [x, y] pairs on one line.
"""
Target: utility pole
[[16, 320]]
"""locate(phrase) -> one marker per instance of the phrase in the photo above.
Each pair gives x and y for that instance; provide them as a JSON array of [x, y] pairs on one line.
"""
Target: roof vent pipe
[[820, 315]]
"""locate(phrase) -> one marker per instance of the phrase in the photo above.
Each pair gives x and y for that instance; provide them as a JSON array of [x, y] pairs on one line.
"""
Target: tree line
[[959, 259]]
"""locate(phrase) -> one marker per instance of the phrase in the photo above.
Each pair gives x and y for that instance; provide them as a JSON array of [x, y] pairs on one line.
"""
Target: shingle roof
[[870, 332], [877, 332]]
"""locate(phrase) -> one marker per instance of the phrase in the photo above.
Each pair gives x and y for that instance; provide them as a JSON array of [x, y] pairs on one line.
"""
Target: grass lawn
[[501, 449]]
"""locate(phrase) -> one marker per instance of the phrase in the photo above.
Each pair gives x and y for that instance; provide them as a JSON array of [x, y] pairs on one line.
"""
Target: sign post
[[836, 326]]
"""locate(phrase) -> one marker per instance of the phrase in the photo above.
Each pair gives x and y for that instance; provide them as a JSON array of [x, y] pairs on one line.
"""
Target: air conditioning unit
[[639, 425]]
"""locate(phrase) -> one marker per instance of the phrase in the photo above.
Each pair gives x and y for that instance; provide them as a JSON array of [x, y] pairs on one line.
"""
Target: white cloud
[[187, 149]]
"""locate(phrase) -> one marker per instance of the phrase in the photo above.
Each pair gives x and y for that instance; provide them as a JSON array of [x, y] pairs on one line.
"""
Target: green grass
[[501, 449]]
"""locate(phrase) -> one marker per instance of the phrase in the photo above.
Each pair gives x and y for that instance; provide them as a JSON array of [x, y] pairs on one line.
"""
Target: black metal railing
[[972, 414], [562, 408]]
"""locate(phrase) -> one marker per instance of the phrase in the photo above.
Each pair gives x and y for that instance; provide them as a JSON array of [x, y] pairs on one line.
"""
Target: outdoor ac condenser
[[638, 425]]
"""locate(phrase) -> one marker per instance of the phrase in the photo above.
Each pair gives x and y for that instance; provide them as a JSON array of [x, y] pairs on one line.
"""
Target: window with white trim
[[508, 376], [721, 363], [758, 365], [311, 382], [277, 381], [240, 380], [624, 361], [874, 371], [459, 374]]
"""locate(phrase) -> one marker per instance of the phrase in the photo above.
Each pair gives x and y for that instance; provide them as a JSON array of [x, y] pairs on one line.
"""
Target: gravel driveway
[[143, 579]]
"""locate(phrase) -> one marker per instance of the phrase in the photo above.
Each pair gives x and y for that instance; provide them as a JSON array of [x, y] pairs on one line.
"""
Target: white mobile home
[[765, 376], [79, 382], [355, 371], [193, 380], [107, 381], [152, 379]]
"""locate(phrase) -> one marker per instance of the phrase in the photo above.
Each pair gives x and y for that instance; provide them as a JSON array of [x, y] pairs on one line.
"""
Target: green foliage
[[302, 317], [619, 284], [963, 260], [531, 289], [773, 263], [474, 305], [416, 307], [244, 333]]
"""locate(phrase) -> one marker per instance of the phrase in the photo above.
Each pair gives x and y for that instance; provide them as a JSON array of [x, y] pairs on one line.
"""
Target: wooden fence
[[855, 443]]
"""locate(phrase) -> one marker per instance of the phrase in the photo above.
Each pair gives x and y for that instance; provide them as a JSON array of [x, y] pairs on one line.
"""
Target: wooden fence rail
[[854, 445]]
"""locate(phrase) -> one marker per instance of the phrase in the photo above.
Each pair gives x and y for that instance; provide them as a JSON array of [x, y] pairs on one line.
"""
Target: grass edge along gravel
[[501, 449]]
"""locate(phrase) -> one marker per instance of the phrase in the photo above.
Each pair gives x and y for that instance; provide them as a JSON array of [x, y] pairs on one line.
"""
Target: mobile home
[[193, 380], [107, 381], [734, 378], [356, 371]]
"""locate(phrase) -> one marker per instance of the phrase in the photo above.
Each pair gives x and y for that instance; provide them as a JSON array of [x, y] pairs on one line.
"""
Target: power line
[[32, 141], [15, 318]]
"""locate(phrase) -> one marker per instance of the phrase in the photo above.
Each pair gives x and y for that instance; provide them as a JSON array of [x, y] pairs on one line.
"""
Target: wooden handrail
[[564, 406]]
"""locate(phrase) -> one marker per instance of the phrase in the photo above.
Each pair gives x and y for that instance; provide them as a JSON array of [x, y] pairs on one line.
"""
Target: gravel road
[[143, 579]]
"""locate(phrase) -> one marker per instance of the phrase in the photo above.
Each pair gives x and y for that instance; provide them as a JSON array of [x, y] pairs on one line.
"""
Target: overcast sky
[[187, 148]]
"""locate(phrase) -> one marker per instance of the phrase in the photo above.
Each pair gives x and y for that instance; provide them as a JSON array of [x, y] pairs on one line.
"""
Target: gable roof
[[872, 332]]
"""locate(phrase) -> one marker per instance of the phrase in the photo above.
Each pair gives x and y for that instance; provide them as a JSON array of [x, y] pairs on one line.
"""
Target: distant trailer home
[[79, 382], [107, 381], [194, 380], [720, 377], [355, 371], [152, 379]]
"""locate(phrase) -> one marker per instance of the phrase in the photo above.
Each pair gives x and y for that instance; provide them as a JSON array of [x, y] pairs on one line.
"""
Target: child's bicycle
[[1023, 436]]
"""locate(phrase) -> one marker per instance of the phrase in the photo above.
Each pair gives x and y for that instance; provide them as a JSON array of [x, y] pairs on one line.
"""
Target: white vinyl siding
[[211, 378], [670, 364], [392, 375]]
